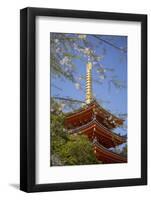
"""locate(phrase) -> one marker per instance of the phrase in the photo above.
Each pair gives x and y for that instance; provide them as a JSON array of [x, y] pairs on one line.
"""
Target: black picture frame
[[28, 98]]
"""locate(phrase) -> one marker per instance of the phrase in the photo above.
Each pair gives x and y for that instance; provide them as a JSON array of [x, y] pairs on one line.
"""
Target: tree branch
[[68, 99], [109, 43]]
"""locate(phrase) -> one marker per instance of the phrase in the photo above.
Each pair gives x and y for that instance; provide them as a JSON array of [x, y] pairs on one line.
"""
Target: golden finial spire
[[88, 83]]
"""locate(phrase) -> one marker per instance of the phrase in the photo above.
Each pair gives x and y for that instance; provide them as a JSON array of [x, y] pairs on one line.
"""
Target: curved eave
[[74, 117], [79, 112], [107, 156], [105, 137], [118, 120]]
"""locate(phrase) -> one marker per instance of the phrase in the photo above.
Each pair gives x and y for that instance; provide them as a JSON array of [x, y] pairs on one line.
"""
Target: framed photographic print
[[83, 99]]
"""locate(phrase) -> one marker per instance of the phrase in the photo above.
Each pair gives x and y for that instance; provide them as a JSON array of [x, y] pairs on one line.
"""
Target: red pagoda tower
[[97, 123]]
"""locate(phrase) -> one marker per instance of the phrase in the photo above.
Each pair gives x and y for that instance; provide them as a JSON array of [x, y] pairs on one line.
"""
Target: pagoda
[[97, 123]]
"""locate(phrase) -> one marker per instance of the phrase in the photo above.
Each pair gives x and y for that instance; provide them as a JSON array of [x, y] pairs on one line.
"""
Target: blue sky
[[114, 62]]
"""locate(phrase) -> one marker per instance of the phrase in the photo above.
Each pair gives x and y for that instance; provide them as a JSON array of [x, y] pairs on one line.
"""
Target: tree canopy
[[67, 149]]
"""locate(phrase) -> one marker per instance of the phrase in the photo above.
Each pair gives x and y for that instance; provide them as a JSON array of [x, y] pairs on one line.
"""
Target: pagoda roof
[[109, 120], [106, 137], [107, 156]]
